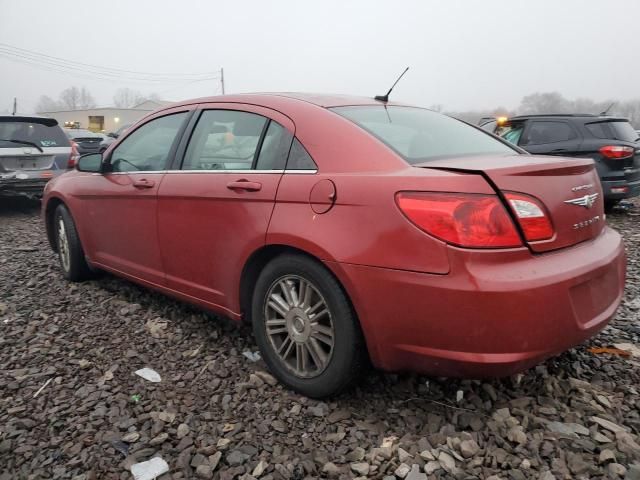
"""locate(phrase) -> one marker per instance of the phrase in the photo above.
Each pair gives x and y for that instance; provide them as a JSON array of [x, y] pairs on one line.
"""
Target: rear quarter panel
[[365, 226]]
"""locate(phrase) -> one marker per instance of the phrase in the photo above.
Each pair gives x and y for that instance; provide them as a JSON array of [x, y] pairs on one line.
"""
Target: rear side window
[[420, 135], [548, 132], [299, 158], [613, 130], [14, 134]]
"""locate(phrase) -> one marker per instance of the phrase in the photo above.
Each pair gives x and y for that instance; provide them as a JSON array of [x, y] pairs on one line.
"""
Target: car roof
[[588, 116], [275, 98]]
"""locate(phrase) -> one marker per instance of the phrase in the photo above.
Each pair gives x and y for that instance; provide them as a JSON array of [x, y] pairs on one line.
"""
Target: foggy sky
[[463, 54]]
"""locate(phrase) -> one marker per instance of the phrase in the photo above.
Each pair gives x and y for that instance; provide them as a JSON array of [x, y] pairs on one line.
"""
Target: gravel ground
[[71, 406]]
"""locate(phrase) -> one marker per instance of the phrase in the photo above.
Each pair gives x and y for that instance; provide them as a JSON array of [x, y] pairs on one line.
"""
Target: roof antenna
[[385, 98], [608, 108]]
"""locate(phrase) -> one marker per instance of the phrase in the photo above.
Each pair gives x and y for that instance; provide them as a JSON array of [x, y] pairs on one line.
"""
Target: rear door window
[[543, 132], [235, 140], [14, 134]]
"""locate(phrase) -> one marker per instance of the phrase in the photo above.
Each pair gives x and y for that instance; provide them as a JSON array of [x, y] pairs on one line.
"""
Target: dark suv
[[611, 141]]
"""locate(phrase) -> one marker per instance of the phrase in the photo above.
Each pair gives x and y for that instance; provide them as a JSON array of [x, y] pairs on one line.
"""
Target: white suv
[[32, 151]]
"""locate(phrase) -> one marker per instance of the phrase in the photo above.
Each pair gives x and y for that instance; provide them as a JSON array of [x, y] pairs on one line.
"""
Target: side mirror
[[91, 162], [112, 135]]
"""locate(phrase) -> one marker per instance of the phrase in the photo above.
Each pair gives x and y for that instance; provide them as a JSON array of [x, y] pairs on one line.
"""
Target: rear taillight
[[463, 219], [73, 156], [532, 216], [617, 151]]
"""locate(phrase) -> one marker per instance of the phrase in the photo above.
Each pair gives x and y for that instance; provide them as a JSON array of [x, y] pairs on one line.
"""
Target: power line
[[37, 56], [98, 76]]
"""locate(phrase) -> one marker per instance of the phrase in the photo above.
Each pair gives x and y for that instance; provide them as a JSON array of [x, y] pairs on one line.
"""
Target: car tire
[[70, 253], [331, 343]]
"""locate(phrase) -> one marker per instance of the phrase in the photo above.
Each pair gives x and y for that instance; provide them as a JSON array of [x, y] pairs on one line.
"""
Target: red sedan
[[347, 230]]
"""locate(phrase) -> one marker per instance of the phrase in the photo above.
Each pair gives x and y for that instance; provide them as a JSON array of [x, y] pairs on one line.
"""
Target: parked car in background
[[610, 141], [86, 141], [345, 229], [112, 136], [32, 151]]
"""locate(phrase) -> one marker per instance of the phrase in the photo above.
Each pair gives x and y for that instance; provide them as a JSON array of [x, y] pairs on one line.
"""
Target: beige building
[[104, 119]]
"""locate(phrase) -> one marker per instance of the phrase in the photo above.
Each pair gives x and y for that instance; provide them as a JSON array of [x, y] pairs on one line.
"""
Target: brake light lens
[[617, 151], [462, 219], [73, 156], [532, 216]]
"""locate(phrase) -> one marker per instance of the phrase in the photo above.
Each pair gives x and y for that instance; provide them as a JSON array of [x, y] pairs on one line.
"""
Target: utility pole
[[15, 105], [222, 79]]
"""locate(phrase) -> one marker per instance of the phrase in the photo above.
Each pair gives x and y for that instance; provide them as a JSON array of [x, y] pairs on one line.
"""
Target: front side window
[[512, 133], [148, 147], [549, 132], [420, 135]]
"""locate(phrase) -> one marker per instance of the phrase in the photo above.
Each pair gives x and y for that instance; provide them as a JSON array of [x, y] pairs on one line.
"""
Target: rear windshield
[[613, 130], [420, 135], [14, 132]]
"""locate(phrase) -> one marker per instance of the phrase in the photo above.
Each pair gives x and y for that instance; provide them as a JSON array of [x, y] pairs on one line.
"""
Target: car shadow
[[10, 206]]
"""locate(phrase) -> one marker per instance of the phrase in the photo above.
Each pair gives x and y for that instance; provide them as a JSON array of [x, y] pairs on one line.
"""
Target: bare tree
[[70, 98], [548, 102], [127, 98], [47, 104], [86, 100]]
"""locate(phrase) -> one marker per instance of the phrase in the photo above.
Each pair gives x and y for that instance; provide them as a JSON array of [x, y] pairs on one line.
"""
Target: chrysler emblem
[[587, 201]]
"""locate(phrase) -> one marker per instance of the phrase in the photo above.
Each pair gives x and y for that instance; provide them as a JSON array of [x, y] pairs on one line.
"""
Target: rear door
[[214, 206], [550, 137], [119, 207]]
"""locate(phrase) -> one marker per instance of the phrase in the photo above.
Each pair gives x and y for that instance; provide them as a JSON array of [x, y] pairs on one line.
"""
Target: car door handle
[[144, 183], [244, 185]]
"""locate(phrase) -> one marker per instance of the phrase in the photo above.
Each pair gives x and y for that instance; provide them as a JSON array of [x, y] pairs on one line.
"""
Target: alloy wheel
[[299, 326], [63, 246]]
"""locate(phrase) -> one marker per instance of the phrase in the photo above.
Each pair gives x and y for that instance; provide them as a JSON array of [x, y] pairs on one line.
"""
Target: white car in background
[[33, 150]]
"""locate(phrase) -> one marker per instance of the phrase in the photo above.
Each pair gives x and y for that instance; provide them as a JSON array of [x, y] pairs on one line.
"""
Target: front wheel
[[72, 261], [305, 327]]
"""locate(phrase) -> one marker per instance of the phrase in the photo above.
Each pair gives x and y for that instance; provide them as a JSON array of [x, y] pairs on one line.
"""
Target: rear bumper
[[20, 188], [633, 189], [32, 186], [494, 314]]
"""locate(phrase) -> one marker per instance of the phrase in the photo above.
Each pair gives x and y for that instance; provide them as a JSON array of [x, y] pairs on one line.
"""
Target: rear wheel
[[305, 327], [72, 261]]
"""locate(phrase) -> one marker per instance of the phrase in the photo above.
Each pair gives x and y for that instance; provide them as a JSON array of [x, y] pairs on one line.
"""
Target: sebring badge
[[587, 201]]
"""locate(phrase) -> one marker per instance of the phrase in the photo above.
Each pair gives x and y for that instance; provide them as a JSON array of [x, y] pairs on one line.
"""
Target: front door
[[120, 206], [214, 207]]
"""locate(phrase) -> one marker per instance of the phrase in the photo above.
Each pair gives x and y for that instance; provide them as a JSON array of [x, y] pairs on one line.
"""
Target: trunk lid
[[565, 186], [15, 159]]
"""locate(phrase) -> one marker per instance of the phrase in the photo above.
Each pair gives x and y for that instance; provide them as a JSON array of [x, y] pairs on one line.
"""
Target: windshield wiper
[[23, 142]]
